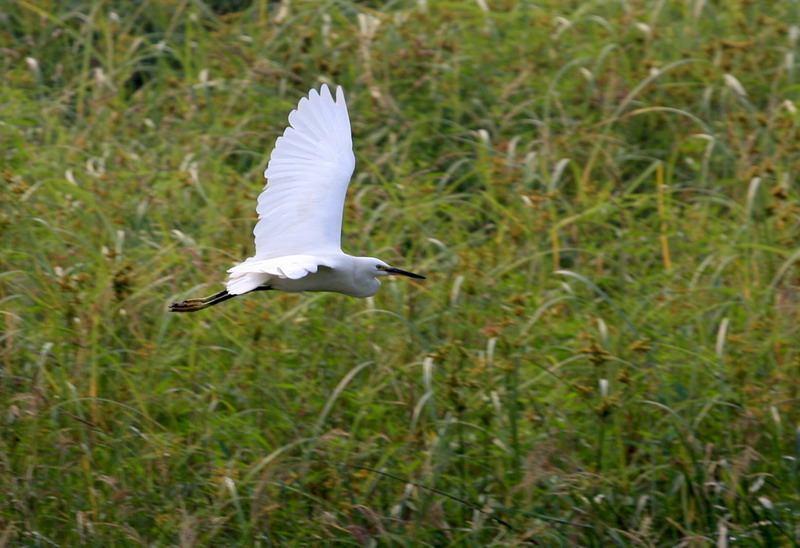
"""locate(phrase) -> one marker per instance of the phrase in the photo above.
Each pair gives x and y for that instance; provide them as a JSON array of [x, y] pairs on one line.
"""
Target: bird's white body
[[298, 234], [339, 272]]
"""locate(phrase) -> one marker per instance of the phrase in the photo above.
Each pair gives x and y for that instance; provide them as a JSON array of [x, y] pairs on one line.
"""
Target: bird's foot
[[189, 305], [192, 305]]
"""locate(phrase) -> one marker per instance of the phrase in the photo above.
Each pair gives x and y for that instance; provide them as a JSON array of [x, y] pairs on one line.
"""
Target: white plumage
[[298, 234]]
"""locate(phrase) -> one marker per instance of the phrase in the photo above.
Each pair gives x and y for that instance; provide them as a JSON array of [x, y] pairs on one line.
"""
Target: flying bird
[[298, 234]]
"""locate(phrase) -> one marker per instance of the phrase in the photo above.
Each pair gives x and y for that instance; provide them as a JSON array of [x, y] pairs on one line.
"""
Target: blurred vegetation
[[603, 196]]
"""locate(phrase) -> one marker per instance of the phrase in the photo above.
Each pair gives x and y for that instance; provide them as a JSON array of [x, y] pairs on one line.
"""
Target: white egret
[[298, 234]]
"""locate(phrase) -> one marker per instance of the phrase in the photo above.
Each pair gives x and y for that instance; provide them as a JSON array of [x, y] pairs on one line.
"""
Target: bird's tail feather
[[241, 283]]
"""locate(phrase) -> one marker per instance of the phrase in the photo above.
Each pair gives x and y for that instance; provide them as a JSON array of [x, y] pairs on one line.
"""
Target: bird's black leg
[[193, 305]]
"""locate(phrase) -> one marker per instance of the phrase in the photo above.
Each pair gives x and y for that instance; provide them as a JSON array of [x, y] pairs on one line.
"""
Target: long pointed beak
[[393, 270]]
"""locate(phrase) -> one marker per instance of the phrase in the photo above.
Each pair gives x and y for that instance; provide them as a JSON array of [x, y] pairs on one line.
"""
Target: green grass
[[605, 352]]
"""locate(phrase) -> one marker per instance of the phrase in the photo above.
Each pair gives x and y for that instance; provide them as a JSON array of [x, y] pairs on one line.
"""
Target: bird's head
[[367, 270], [380, 268]]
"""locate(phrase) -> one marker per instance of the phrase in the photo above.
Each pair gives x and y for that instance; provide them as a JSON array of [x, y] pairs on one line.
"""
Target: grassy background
[[603, 198]]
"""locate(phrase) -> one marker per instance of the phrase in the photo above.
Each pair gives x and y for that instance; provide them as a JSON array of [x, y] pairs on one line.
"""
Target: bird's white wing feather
[[254, 273], [300, 210], [292, 267]]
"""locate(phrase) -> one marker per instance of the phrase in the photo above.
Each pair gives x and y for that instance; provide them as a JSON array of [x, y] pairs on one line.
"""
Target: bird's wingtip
[[339, 94], [325, 93]]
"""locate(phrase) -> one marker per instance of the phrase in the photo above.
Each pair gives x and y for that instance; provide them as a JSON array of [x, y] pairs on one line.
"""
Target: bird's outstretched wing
[[300, 210]]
